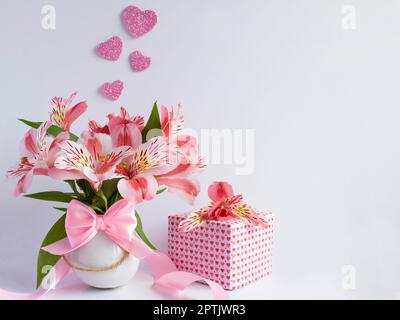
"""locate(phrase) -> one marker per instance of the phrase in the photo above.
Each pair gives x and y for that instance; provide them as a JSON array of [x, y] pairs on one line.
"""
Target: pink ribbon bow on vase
[[82, 224], [118, 223]]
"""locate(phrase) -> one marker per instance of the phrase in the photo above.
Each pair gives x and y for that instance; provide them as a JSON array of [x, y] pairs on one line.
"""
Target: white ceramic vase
[[101, 263]]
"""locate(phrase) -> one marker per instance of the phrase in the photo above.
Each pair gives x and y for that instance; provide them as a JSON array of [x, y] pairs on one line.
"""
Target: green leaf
[[152, 123], [116, 197], [97, 209], [159, 191], [88, 190], [81, 184], [52, 130], [140, 232], [56, 196], [45, 259], [76, 193], [55, 131], [110, 190], [109, 187], [60, 209], [31, 123], [103, 198]]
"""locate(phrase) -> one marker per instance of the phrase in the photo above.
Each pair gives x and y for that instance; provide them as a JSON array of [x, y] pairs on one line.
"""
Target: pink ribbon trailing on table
[[225, 205], [118, 223]]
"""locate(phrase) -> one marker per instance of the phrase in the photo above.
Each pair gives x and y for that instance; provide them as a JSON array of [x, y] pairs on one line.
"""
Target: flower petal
[[164, 119], [249, 215], [152, 157], [114, 157], [139, 188], [124, 130], [74, 113], [93, 178], [182, 171], [171, 123], [71, 98], [29, 144], [75, 157], [126, 135], [24, 183], [149, 186], [96, 143], [96, 128], [54, 149], [130, 190], [62, 174], [220, 190], [187, 189], [193, 220]]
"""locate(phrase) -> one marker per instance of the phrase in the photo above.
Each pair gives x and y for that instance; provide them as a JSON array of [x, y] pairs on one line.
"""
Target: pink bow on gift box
[[118, 223]]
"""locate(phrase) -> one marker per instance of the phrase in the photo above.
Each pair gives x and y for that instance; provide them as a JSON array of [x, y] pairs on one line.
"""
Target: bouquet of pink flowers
[[127, 158]]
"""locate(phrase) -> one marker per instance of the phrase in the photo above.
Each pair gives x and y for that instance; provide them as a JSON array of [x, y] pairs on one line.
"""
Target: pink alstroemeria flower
[[137, 171], [36, 158], [91, 158], [181, 179], [125, 130], [171, 122], [225, 205], [62, 115]]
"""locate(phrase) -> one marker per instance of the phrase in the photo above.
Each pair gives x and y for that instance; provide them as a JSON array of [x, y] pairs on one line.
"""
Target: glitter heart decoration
[[139, 62], [110, 49], [113, 90], [138, 22]]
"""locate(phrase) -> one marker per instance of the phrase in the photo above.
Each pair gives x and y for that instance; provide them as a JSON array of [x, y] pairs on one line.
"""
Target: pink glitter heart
[[139, 62], [138, 22], [110, 49], [113, 90]]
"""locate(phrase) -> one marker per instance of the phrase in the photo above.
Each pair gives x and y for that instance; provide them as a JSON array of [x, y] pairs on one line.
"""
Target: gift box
[[231, 252]]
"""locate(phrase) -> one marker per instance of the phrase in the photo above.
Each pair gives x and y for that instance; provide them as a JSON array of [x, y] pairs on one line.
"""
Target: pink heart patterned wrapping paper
[[231, 253]]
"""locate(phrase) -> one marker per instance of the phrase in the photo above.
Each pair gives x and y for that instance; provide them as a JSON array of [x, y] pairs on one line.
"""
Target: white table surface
[[269, 288]]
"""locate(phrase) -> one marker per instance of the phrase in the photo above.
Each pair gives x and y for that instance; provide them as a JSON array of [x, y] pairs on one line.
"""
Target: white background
[[323, 101]]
